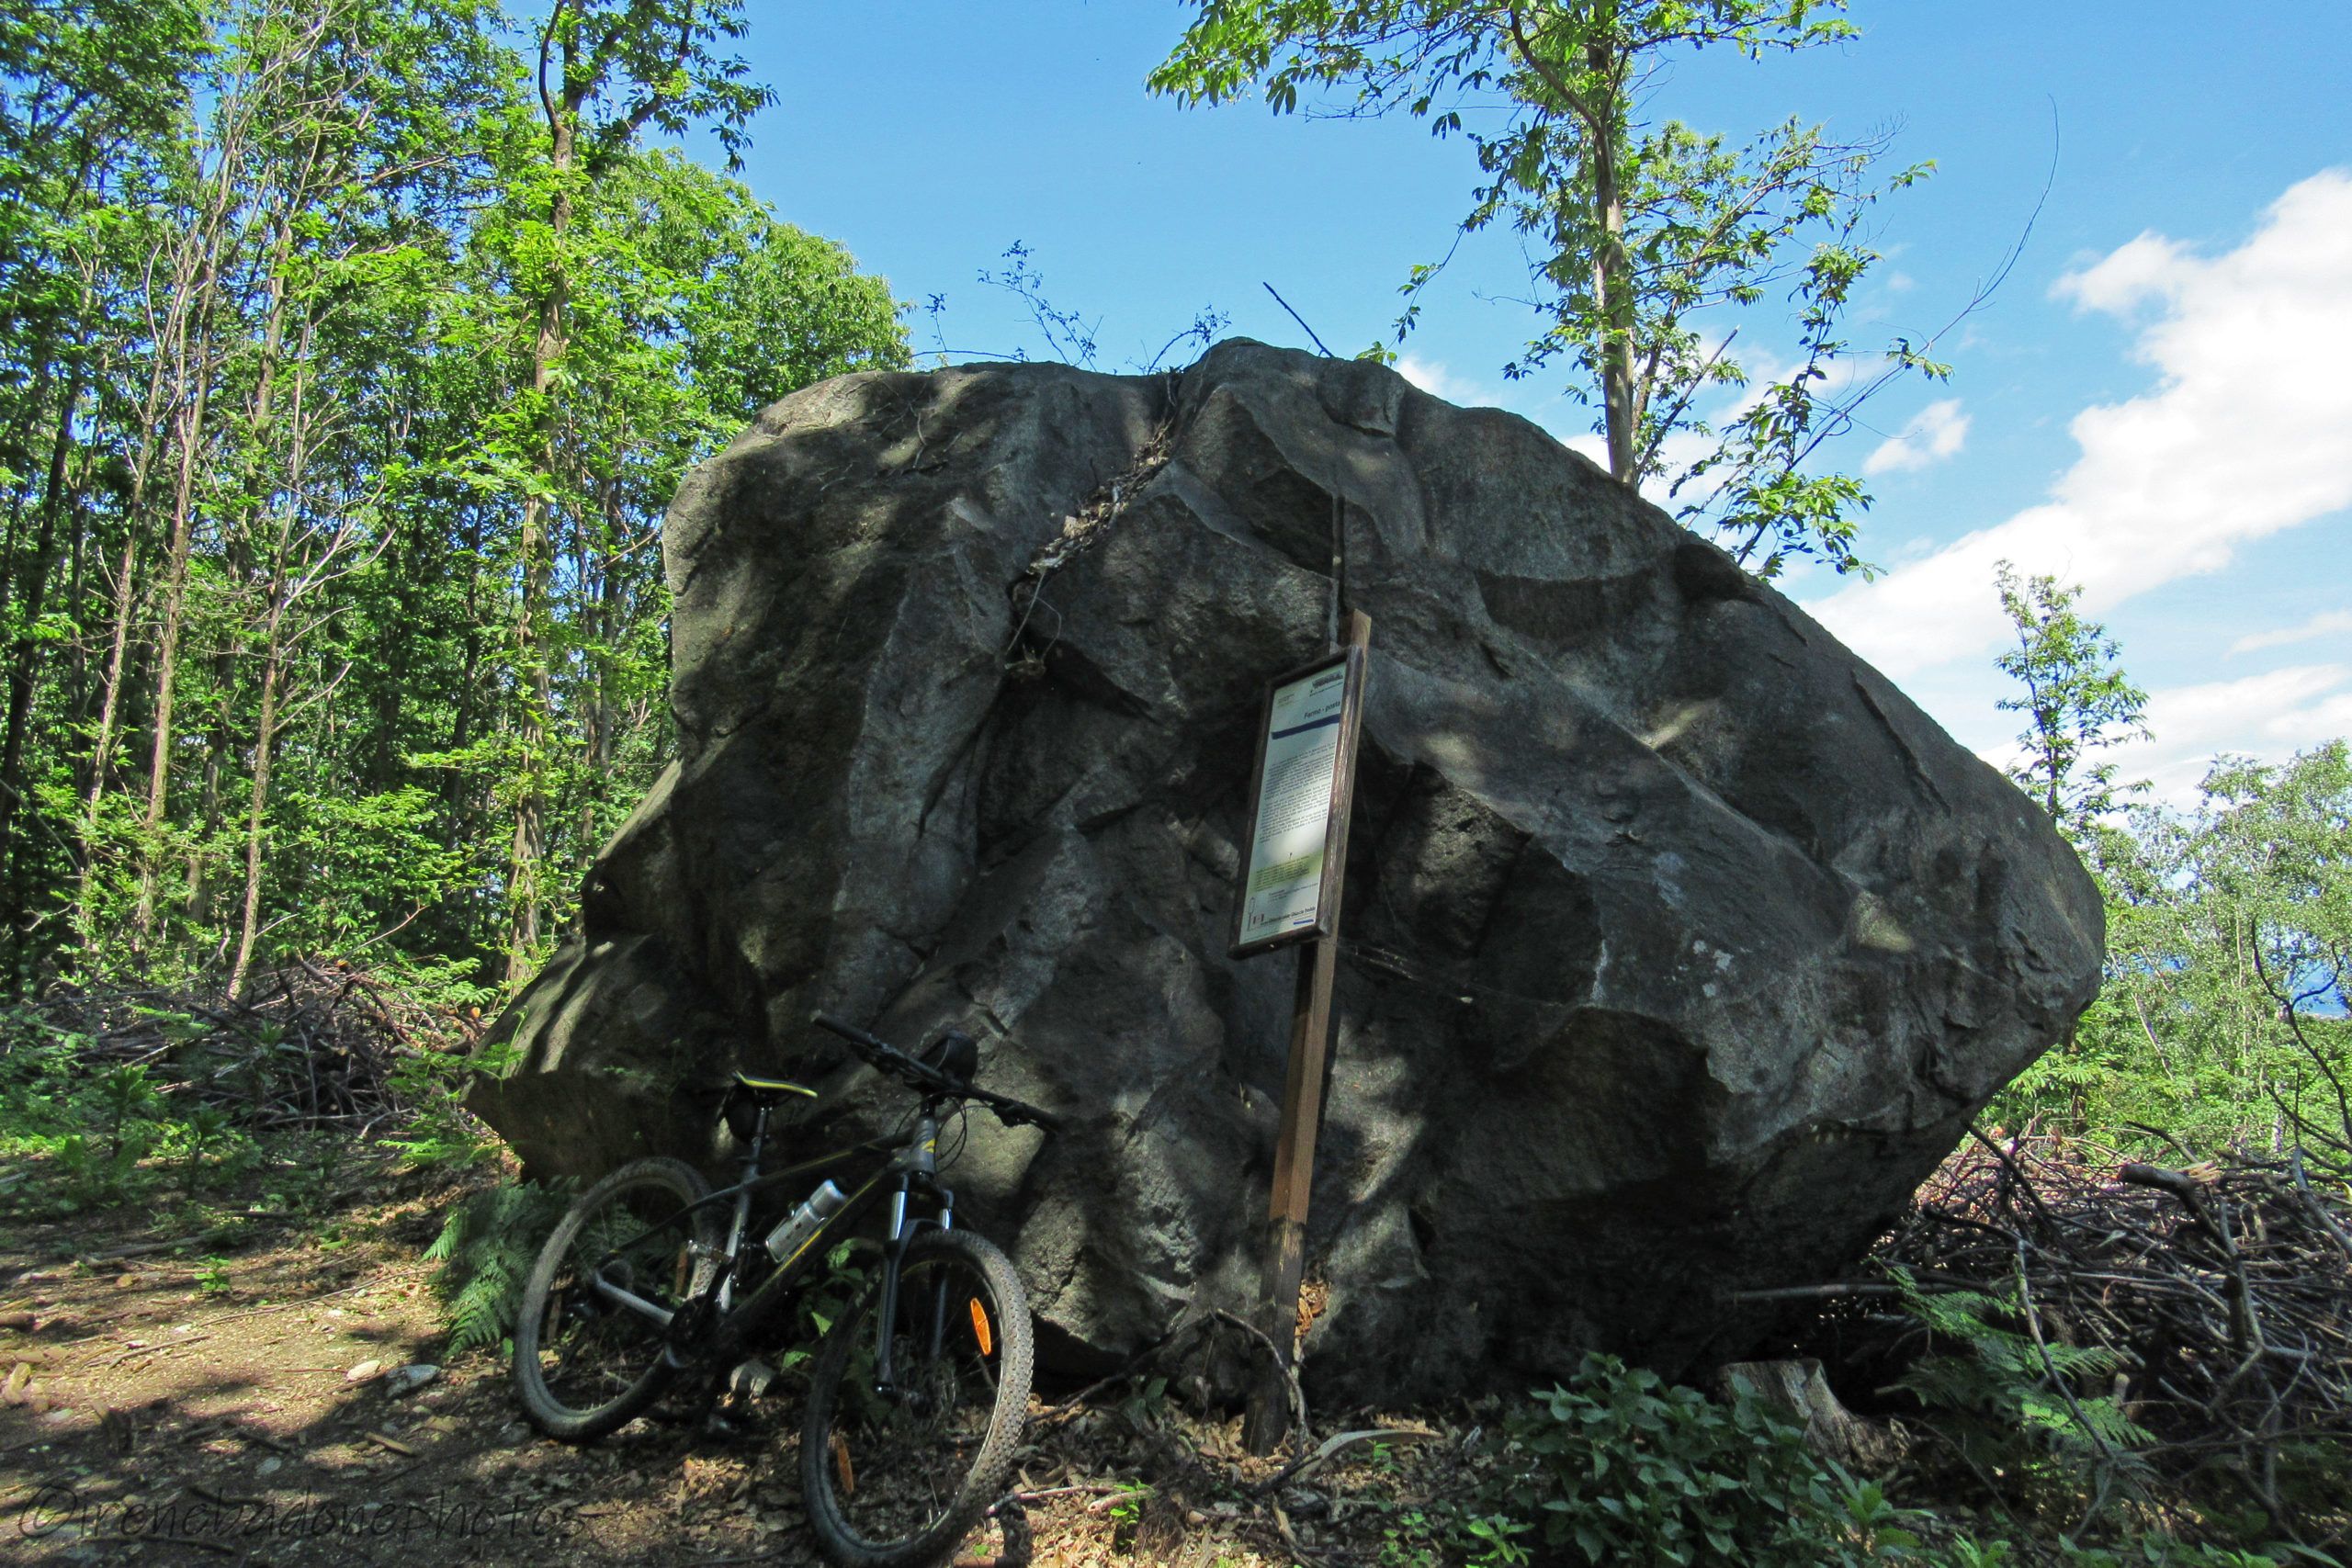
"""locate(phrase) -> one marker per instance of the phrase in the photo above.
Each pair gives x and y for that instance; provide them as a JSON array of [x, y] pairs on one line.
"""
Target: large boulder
[[1680, 944]]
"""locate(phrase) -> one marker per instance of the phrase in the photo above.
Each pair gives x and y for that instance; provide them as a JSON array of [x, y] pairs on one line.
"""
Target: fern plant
[[2014, 1404], [485, 1251]]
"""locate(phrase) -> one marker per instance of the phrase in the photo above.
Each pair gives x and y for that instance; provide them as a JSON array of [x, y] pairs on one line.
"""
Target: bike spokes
[[623, 1264], [903, 1469]]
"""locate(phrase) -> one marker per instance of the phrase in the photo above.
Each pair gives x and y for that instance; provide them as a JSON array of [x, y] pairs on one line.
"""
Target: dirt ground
[[161, 1408]]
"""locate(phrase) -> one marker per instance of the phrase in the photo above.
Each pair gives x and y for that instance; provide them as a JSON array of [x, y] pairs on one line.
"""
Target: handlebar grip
[[1018, 1112]]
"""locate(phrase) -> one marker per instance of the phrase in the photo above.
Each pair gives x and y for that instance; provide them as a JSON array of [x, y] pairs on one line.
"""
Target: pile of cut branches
[[313, 1045], [2223, 1286]]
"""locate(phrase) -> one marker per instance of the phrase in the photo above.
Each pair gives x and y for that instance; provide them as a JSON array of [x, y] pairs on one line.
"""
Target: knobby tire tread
[[984, 1479], [550, 1416]]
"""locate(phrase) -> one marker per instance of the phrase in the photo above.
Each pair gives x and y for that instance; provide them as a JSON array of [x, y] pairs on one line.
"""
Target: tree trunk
[[524, 893], [249, 923], [600, 744], [169, 351], [173, 611], [76, 706], [110, 688], [27, 409], [260, 411], [242, 182], [23, 667], [23, 662], [102, 745], [287, 583], [1612, 283]]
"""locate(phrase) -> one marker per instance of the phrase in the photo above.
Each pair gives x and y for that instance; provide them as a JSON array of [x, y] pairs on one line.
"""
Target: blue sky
[[2157, 404]]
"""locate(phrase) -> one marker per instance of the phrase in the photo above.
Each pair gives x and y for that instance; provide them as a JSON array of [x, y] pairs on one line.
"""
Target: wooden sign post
[[1292, 876]]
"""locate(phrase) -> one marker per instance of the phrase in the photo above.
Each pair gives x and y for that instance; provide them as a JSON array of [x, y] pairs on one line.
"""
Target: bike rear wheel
[[896, 1477], [589, 1335]]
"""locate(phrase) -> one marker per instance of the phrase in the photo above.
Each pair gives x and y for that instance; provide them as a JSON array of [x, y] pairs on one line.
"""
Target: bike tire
[[583, 1367], [898, 1482]]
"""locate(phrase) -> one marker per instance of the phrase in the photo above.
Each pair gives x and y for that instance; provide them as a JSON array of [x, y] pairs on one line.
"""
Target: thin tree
[[1635, 230], [262, 87], [2077, 701], [608, 70]]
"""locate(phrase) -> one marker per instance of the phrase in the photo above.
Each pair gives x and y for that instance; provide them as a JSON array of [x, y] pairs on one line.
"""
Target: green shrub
[[430, 1076], [1621, 1466], [823, 1300], [207, 1139]]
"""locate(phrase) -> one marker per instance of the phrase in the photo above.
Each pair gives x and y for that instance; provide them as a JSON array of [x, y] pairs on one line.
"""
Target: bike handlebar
[[921, 1076]]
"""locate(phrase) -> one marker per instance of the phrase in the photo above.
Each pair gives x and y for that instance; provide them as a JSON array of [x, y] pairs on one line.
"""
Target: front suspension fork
[[901, 1235]]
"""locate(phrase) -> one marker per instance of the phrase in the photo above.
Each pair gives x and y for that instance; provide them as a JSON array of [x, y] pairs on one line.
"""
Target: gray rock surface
[[1681, 943]]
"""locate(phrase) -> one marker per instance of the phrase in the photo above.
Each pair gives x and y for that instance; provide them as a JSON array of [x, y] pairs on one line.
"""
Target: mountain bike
[[917, 1395]]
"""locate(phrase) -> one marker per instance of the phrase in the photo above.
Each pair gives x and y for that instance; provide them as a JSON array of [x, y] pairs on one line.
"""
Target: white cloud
[[1936, 434], [2320, 624], [2149, 267], [2243, 436], [1440, 382], [2265, 716], [1594, 445]]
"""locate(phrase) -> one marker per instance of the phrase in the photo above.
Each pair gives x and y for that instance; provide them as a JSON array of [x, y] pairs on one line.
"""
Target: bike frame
[[715, 1324]]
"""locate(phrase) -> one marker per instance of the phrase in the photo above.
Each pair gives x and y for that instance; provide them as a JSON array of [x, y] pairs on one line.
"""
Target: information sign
[[1299, 794]]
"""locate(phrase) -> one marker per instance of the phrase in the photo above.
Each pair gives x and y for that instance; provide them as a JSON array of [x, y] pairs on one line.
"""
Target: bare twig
[[1299, 1430], [1301, 321]]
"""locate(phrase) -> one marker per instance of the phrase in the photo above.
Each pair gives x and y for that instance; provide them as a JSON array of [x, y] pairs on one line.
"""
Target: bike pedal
[[751, 1379]]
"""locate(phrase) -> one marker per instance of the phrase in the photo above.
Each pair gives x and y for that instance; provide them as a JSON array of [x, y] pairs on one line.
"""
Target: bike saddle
[[955, 1055], [771, 1091], [748, 1096]]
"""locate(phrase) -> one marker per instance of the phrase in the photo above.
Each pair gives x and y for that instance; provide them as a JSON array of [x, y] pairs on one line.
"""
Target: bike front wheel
[[593, 1328], [896, 1475]]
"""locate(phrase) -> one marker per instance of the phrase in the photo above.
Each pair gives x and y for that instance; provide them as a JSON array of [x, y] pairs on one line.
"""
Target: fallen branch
[[1300, 1468], [2222, 1286]]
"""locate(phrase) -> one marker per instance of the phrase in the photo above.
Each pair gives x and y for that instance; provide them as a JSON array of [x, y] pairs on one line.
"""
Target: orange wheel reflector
[[685, 1263], [842, 1467], [980, 1327]]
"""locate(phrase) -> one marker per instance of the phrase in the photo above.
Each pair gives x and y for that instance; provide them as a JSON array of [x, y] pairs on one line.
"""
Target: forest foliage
[[349, 353], [2221, 1020]]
